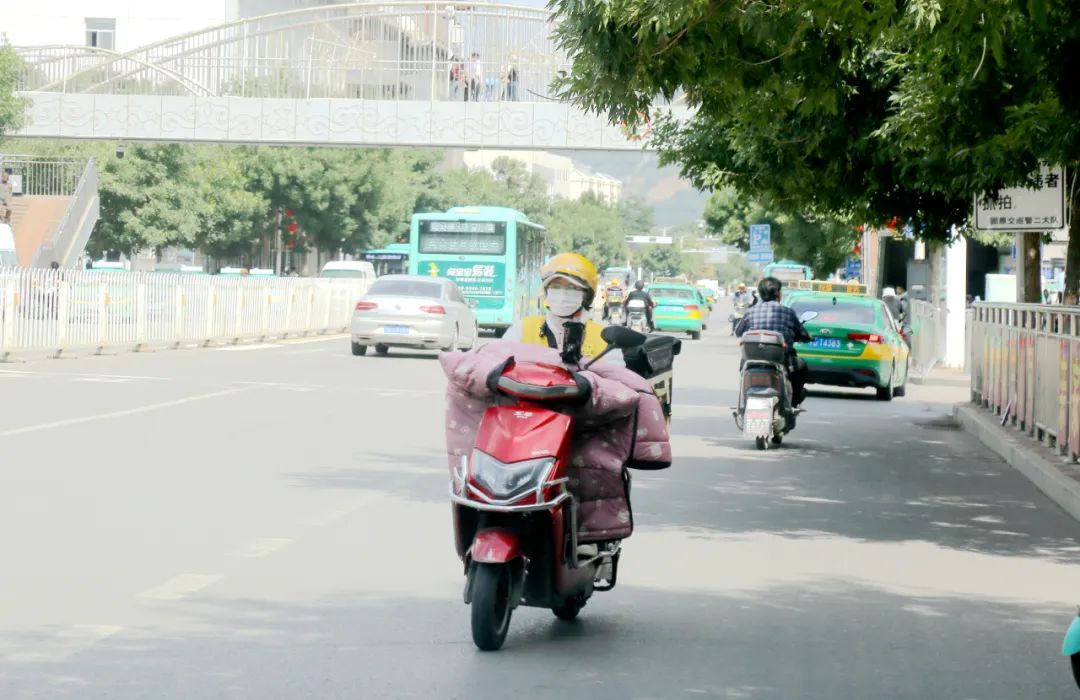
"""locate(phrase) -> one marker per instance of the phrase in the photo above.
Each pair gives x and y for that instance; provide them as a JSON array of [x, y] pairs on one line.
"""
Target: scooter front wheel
[[761, 442], [491, 606], [568, 610], [1075, 659]]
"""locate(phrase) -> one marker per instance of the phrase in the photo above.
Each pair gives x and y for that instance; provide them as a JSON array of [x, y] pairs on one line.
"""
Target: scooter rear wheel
[[490, 606], [1075, 659], [762, 443]]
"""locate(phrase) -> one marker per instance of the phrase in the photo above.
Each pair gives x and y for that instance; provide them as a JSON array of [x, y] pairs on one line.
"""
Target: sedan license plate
[[396, 330], [825, 343]]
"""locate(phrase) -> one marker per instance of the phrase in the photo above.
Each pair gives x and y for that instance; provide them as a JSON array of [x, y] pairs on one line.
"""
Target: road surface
[[270, 521]]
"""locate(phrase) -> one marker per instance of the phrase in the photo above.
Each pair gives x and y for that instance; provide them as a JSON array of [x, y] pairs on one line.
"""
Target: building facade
[[563, 177]]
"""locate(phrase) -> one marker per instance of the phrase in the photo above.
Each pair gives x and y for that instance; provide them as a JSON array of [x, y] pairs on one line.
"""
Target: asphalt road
[[270, 522]]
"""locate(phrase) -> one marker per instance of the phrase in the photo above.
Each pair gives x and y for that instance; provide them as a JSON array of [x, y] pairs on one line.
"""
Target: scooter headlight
[[509, 481]]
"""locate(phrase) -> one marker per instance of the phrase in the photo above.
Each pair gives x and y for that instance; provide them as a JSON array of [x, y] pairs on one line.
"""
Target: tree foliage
[[228, 201], [12, 107], [823, 245], [842, 109]]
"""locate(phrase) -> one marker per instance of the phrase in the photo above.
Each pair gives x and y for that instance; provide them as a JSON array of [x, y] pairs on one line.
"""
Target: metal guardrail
[[1025, 367], [927, 329], [61, 311], [45, 175]]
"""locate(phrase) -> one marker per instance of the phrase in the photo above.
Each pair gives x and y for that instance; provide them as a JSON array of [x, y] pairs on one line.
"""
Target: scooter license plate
[[758, 422]]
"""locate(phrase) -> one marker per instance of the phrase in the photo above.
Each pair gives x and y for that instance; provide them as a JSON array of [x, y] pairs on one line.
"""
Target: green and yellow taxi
[[857, 343], [678, 308]]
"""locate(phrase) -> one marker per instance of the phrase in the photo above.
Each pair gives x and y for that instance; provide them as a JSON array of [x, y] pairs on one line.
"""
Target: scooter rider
[[570, 282], [613, 294], [770, 315], [742, 301], [639, 293]]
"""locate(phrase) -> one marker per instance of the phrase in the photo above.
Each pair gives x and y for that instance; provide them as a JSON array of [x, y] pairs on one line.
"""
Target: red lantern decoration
[[292, 227], [288, 212]]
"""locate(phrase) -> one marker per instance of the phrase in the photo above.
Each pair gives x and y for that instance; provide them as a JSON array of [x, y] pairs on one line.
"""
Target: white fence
[[60, 311], [1025, 367], [927, 327]]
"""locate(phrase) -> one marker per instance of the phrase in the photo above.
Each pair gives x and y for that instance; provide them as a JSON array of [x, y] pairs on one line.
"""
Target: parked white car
[[413, 311]]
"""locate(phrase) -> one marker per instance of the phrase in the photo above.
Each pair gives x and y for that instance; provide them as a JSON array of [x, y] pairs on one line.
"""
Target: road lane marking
[[246, 348], [262, 547], [102, 380], [119, 414], [321, 339], [309, 351], [67, 643], [181, 586]]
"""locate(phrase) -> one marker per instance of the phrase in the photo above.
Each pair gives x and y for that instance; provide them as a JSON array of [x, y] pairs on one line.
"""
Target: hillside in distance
[[674, 200]]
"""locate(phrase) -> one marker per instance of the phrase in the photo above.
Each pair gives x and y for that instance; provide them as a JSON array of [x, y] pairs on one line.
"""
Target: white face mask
[[565, 302]]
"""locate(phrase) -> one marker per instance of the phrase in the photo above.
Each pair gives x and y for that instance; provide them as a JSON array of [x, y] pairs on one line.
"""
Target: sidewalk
[[1055, 476], [942, 376]]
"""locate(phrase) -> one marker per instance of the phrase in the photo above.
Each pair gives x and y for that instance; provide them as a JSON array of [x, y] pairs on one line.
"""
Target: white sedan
[[413, 311]]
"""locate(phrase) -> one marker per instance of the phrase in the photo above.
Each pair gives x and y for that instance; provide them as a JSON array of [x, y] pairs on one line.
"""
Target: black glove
[[495, 374]]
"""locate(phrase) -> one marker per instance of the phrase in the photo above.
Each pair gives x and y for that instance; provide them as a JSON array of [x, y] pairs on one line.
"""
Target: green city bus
[[788, 271], [494, 255], [391, 260]]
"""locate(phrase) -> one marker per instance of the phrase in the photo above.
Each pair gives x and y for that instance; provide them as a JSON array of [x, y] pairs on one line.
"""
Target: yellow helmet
[[575, 268], [742, 286]]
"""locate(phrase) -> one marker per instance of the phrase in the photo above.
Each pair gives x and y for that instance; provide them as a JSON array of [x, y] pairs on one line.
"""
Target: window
[[101, 32], [673, 293], [406, 288], [835, 311]]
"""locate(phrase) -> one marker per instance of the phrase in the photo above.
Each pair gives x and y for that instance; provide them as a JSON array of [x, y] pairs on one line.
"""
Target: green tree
[[12, 107], [662, 261], [823, 245], [636, 215], [148, 200], [842, 109], [590, 227]]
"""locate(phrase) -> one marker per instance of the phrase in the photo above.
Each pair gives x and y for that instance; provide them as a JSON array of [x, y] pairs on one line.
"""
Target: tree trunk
[[1072, 257], [1030, 250]]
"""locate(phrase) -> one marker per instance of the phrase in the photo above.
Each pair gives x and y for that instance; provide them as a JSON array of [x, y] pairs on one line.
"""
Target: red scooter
[[514, 517]]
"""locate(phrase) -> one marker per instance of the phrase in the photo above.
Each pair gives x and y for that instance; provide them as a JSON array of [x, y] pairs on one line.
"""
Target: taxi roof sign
[[833, 287]]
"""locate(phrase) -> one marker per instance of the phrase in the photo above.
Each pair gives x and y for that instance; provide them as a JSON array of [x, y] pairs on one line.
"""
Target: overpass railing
[[1025, 367], [64, 311], [74, 229], [44, 175]]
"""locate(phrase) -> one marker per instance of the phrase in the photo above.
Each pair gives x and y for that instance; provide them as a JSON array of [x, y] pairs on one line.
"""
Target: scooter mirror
[[622, 337], [807, 316]]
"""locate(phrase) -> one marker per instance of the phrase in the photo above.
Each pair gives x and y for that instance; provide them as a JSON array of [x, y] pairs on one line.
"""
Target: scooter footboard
[[758, 416]]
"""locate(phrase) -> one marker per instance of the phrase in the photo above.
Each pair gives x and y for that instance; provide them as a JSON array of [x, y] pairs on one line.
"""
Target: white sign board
[[1025, 209]]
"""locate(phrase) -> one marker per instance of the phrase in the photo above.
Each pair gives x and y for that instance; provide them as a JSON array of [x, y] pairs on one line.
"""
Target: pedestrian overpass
[[357, 74]]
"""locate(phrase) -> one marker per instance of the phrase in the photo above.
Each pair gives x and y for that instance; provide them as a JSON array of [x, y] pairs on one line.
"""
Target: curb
[[1022, 454]]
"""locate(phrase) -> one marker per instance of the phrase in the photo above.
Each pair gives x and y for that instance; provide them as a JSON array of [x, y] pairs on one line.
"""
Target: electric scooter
[[765, 412], [515, 519]]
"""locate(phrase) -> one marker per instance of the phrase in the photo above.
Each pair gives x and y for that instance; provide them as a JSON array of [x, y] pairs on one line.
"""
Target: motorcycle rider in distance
[[770, 315], [639, 293], [614, 289], [742, 301], [570, 281]]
